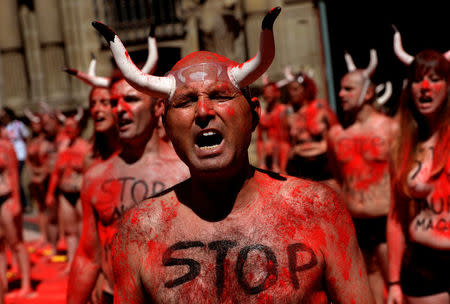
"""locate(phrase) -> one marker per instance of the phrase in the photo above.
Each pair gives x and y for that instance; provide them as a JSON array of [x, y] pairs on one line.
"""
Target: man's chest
[[362, 146], [234, 262], [114, 194]]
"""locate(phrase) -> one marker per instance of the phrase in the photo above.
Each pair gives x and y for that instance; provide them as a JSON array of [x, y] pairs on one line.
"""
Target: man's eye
[[131, 98], [220, 97], [184, 101]]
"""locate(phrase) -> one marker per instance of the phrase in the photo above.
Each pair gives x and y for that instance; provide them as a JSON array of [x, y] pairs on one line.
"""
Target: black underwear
[[425, 271], [106, 298], [4, 198], [370, 232], [71, 197]]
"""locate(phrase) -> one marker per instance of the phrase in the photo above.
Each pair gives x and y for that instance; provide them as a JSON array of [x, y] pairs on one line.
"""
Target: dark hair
[[308, 84], [11, 114]]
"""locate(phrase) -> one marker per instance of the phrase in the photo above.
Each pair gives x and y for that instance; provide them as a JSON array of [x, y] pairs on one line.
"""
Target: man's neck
[[214, 199], [364, 114], [134, 149], [271, 106]]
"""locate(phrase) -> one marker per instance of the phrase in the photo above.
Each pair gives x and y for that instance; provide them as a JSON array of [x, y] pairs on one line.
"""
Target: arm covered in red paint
[[13, 171], [54, 182], [86, 264], [128, 254], [345, 276], [396, 242]]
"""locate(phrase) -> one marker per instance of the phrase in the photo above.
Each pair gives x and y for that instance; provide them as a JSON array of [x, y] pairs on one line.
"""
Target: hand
[[395, 295], [50, 200]]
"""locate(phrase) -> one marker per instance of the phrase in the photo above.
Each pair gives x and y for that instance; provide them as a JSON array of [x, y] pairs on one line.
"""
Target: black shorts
[[106, 298], [313, 169], [370, 232], [425, 271]]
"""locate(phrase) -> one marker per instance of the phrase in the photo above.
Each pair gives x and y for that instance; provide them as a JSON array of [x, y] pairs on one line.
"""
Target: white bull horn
[[372, 64], [349, 61], [381, 100], [79, 114], [152, 58], [31, 116], [398, 49], [160, 87], [447, 55], [247, 72], [90, 78]]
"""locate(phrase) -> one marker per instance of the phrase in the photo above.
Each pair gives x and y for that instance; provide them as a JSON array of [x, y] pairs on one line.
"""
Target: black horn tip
[[106, 32], [151, 33], [269, 19], [92, 56], [70, 71], [394, 28]]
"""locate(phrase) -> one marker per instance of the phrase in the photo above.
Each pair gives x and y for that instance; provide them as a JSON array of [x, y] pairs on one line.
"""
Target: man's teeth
[[208, 133], [208, 147]]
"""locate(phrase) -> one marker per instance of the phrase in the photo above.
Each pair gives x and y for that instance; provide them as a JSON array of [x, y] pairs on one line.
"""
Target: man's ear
[[370, 93], [256, 112], [158, 107]]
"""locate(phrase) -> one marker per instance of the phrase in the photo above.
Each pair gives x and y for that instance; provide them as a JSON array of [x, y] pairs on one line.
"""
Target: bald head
[[354, 91]]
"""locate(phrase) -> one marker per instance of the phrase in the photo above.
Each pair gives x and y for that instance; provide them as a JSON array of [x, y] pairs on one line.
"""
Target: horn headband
[[103, 82], [240, 75], [404, 57]]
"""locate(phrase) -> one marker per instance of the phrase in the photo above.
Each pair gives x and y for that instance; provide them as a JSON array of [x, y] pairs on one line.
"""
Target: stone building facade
[[38, 38]]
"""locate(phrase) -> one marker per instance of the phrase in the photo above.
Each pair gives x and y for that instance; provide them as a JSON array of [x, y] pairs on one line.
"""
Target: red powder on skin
[[110, 193], [363, 172]]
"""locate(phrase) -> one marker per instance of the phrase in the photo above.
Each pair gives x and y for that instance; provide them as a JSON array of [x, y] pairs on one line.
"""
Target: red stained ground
[[48, 278]]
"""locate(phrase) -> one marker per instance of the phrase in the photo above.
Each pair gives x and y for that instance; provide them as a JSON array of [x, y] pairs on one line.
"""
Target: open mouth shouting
[[425, 99], [99, 119], [209, 141], [124, 122]]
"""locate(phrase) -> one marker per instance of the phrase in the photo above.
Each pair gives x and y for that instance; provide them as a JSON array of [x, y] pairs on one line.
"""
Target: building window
[[131, 19]]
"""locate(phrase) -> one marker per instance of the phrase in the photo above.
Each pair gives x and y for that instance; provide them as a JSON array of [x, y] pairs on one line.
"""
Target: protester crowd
[[162, 205]]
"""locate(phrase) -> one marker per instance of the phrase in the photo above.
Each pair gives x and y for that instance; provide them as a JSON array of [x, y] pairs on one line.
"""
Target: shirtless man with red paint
[[360, 152], [273, 148], [139, 170], [230, 233], [11, 217], [65, 182]]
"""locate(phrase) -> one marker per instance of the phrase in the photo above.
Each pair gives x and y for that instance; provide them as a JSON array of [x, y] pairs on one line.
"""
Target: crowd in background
[[392, 172]]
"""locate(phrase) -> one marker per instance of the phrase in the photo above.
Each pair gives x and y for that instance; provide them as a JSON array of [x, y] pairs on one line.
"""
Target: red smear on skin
[[110, 193], [365, 173], [440, 198]]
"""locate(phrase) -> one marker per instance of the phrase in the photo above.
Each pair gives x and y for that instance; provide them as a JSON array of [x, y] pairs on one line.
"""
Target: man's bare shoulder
[[303, 197], [311, 194], [334, 131], [145, 218]]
